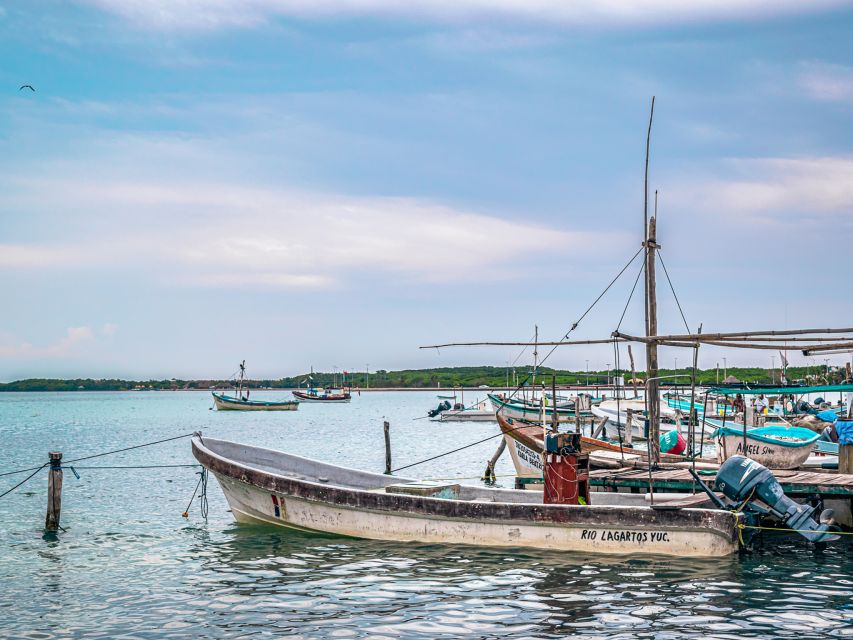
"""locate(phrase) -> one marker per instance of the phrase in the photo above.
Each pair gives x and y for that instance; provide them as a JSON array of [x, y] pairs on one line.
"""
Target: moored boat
[[525, 442], [240, 401], [230, 403], [479, 412], [774, 447], [266, 486], [520, 410], [322, 395]]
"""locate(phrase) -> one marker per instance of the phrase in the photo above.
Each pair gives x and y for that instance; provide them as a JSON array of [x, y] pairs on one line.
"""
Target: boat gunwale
[[760, 437], [722, 523], [253, 403]]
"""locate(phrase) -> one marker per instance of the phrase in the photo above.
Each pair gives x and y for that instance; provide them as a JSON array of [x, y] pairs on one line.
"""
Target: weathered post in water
[[845, 458], [490, 476], [54, 492], [387, 428]]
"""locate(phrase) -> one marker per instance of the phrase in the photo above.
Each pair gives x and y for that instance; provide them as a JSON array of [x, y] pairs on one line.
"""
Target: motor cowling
[[743, 481]]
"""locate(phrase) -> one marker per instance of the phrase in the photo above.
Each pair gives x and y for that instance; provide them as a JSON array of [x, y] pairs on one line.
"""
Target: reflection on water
[[129, 566]]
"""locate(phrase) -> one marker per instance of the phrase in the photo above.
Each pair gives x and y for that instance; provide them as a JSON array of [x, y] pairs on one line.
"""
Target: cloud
[[109, 329], [218, 14], [761, 186], [826, 82], [70, 344], [235, 236]]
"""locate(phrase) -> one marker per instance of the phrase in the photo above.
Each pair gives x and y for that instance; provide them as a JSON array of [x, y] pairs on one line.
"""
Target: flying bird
[[26, 86]]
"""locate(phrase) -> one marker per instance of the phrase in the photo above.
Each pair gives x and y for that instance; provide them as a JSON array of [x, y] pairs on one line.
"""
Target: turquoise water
[[129, 566]]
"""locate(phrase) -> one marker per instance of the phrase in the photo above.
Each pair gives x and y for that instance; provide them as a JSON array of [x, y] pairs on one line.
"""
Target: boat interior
[[322, 473]]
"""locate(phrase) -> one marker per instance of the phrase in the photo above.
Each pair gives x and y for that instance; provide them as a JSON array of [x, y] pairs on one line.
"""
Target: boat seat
[[426, 488]]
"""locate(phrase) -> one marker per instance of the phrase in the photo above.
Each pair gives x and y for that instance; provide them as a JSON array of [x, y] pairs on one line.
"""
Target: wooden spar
[[652, 384], [633, 372], [691, 423], [387, 428], [682, 341], [558, 343], [826, 349], [555, 418], [624, 337], [692, 337], [652, 404], [535, 353], [54, 492]]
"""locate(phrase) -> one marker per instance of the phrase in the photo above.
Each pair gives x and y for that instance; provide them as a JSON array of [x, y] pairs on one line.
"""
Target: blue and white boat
[[775, 447]]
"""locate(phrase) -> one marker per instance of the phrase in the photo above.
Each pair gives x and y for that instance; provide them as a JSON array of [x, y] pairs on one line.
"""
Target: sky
[[334, 183]]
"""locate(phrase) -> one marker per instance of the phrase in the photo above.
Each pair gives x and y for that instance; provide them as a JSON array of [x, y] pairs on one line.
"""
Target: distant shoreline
[[445, 380]]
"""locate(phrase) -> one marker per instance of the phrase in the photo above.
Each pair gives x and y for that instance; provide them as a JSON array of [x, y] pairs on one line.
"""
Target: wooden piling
[[845, 458], [54, 492], [490, 476], [387, 428]]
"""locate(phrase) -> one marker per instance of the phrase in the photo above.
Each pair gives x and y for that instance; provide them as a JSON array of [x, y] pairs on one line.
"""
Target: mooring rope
[[137, 446], [141, 466], [467, 446], [5, 493], [99, 455], [202, 482]]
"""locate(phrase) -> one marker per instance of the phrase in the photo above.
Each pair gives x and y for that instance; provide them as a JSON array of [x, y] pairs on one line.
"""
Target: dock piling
[[387, 428], [54, 492], [490, 476], [845, 458]]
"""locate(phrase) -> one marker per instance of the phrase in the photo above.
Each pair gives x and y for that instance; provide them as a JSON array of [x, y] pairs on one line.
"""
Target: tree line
[[440, 377]]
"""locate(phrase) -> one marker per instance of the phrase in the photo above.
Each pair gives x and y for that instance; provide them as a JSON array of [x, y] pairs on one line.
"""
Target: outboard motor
[[743, 481], [444, 406]]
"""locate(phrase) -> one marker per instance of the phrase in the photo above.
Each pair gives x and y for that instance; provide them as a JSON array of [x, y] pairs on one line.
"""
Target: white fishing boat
[[266, 486], [616, 412], [323, 395], [240, 400], [229, 403], [479, 412], [531, 411], [774, 447]]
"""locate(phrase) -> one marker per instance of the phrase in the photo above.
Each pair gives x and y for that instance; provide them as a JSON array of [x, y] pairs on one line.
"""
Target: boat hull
[[466, 415], [519, 411], [773, 455], [257, 494], [307, 397], [225, 403]]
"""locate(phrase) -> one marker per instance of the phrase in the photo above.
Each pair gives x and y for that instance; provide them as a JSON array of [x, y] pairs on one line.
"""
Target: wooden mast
[[652, 388]]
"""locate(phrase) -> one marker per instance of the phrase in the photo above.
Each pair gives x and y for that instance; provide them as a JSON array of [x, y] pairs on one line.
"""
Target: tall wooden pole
[[652, 403], [652, 385], [54, 492], [387, 428], [555, 417]]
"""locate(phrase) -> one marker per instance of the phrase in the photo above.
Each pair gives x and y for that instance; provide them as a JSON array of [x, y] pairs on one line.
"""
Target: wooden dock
[[794, 483]]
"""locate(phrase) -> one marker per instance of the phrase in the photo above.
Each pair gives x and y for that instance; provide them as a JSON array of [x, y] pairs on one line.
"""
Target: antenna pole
[[652, 385]]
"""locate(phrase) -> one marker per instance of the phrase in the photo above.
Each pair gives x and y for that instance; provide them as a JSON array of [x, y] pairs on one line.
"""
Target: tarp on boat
[[730, 391]]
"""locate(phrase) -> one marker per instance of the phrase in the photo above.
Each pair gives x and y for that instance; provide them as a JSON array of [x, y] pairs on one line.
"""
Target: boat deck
[[794, 482]]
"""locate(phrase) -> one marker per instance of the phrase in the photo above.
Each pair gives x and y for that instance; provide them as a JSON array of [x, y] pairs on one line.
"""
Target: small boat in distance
[[478, 412], [240, 401], [322, 395]]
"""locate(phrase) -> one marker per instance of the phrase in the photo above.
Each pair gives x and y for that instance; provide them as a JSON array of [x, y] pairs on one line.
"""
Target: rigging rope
[[636, 281], [467, 446], [579, 320], [674, 295]]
